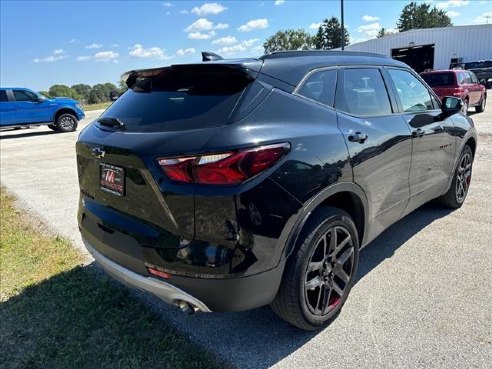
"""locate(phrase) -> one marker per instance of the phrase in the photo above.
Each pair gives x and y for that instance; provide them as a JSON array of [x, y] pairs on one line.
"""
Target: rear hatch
[[443, 83], [167, 112]]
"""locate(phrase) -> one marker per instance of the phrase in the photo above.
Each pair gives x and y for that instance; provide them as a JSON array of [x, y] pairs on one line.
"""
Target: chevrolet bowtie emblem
[[98, 153]]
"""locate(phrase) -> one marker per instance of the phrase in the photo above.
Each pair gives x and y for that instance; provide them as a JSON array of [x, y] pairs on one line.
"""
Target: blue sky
[[69, 42]]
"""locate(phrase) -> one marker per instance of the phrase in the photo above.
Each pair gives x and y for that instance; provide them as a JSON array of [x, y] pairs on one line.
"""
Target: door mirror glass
[[451, 105]]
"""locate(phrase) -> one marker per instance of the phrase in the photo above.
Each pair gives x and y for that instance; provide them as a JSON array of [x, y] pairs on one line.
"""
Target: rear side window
[[461, 77], [181, 100], [362, 92], [439, 79], [3, 96], [320, 86], [413, 95]]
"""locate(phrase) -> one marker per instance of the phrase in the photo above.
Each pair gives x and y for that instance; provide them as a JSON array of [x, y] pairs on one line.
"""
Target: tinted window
[[414, 96], [468, 79], [181, 100], [473, 78], [3, 96], [362, 92], [439, 79], [21, 95], [320, 86]]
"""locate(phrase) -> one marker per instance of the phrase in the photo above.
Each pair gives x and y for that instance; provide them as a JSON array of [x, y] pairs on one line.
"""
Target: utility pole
[[343, 28]]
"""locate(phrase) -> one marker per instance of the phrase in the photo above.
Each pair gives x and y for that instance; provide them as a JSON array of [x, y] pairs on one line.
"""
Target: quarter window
[[363, 93], [320, 86], [24, 96], [414, 96], [3, 96]]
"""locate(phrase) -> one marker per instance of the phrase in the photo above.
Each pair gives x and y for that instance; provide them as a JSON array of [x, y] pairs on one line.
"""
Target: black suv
[[231, 184], [483, 71]]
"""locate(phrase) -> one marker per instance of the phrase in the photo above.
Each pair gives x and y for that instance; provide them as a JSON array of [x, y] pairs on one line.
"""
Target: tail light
[[223, 168]]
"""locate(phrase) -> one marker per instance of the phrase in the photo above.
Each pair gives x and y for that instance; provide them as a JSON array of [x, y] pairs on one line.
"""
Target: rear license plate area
[[112, 179]]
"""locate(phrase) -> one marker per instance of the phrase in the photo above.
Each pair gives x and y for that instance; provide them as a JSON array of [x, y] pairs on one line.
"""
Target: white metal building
[[434, 48]]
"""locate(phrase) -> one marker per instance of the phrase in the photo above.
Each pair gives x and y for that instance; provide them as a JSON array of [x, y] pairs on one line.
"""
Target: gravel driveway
[[423, 298]]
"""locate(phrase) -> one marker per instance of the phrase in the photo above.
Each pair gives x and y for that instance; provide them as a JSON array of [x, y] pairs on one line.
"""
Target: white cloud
[[84, 58], [138, 51], [189, 51], [369, 30], [201, 24], [315, 25], [484, 18], [452, 4], [72, 41], [94, 46], [200, 35], [105, 56], [58, 51], [241, 47], [224, 41], [279, 2], [50, 59], [168, 13], [369, 18], [208, 8], [453, 14], [167, 5], [254, 24], [184, 11], [221, 26]]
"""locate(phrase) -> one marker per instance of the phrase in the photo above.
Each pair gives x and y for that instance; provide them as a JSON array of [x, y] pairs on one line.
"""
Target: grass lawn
[[57, 312], [99, 106]]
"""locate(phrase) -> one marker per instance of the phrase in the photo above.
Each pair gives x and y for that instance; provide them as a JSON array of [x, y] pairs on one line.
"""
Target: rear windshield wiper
[[111, 122]]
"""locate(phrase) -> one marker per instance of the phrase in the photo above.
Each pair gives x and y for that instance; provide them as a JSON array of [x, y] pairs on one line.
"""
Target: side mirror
[[483, 81], [451, 105], [40, 100]]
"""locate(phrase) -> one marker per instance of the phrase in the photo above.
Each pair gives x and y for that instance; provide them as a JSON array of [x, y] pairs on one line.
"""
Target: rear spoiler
[[131, 77]]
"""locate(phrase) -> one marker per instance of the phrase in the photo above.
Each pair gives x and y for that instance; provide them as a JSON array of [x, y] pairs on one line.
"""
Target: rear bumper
[[204, 294], [165, 291]]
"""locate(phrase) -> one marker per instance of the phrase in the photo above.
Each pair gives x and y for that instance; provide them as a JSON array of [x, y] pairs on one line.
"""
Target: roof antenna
[[209, 56]]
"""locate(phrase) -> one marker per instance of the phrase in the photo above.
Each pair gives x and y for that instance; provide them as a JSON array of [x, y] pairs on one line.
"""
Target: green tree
[[290, 39], [83, 90], [422, 16], [45, 93], [329, 35], [384, 32], [62, 90], [122, 87]]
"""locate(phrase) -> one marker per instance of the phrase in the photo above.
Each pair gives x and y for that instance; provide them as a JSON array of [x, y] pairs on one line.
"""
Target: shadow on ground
[[69, 321], [8, 134]]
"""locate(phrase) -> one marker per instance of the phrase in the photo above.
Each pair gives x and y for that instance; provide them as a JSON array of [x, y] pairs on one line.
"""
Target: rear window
[[3, 96], [439, 79], [181, 100], [479, 64]]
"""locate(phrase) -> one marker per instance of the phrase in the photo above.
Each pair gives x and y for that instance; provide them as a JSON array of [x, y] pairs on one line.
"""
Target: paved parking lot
[[423, 296]]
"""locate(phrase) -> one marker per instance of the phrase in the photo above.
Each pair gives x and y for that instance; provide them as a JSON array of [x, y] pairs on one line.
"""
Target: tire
[[66, 122], [309, 299], [480, 108], [53, 127], [466, 105], [456, 195]]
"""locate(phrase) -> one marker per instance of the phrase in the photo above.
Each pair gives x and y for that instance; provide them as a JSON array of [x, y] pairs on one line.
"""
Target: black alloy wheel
[[329, 271], [456, 195], [320, 272]]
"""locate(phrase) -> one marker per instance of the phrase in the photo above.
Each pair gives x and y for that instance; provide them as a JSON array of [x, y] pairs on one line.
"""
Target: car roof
[[292, 66], [444, 71]]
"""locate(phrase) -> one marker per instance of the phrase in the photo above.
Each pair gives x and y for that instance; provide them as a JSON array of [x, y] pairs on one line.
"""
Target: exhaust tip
[[186, 307]]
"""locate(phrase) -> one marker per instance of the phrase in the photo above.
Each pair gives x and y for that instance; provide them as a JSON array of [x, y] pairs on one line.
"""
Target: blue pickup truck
[[23, 107]]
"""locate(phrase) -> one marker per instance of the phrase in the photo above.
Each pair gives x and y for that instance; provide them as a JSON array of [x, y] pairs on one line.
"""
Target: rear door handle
[[418, 132], [358, 137]]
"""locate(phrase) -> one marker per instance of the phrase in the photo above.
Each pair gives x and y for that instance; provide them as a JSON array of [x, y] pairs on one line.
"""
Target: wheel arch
[[344, 195], [64, 110]]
